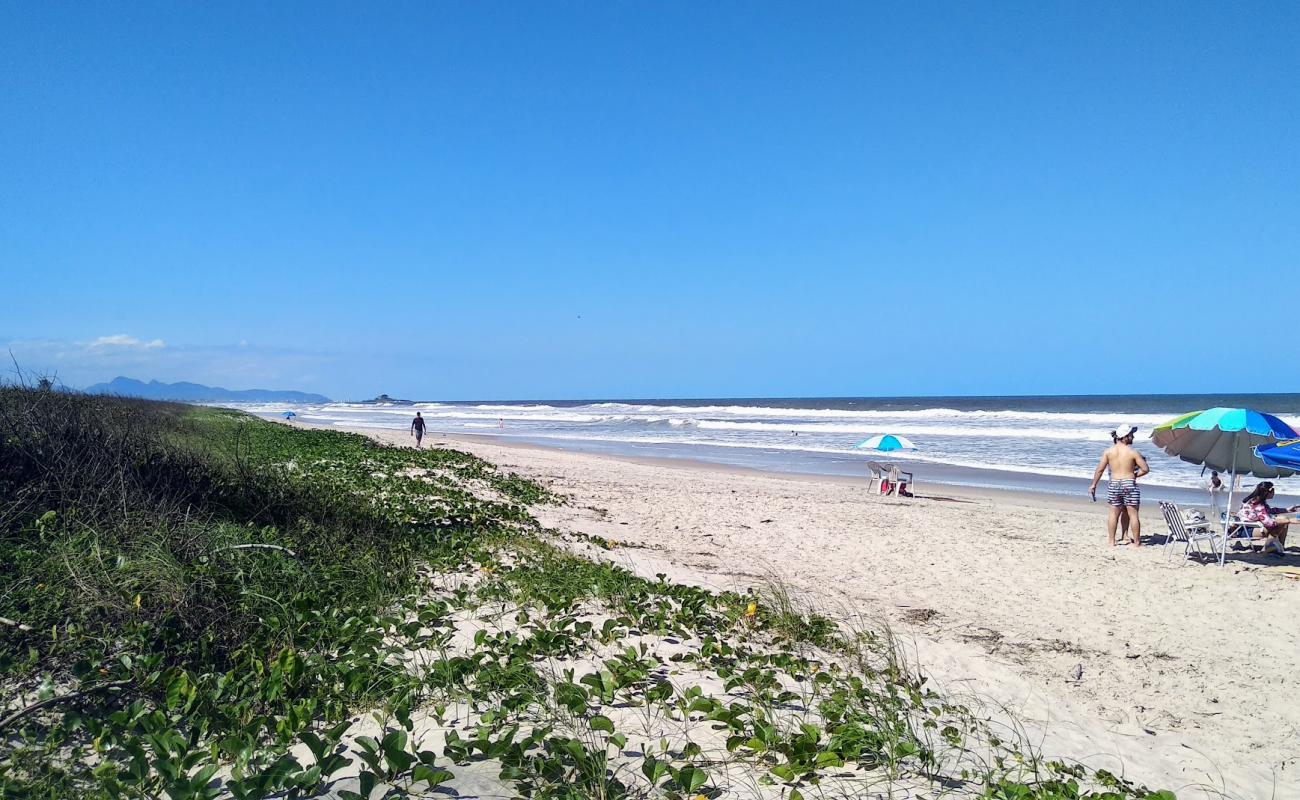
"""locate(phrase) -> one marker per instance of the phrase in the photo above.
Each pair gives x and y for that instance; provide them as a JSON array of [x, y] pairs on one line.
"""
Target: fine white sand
[[1189, 672]]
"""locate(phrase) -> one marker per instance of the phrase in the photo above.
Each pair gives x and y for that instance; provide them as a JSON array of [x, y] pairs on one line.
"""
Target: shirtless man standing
[[1126, 465]]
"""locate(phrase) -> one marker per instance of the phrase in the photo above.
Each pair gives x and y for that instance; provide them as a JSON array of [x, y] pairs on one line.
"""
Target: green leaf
[[571, 696], [314, 743], [368, 743], [430, 775], [653, 769], [204, 775], [691, 778], [274, 776], [601, 722], [368, 780], [394, 743], [176, 690], [829, 760]]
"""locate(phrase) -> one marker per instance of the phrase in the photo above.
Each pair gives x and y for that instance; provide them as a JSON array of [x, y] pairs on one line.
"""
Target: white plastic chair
[[877, 477], [896, 479]]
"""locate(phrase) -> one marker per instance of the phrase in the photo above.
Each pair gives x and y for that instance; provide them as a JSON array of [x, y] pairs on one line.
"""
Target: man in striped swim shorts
[[1123, 496]]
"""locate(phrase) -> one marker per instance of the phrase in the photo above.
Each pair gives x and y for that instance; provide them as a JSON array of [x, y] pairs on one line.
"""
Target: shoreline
[[1041, 448], [952, 480], [999, 595], [943, 492]]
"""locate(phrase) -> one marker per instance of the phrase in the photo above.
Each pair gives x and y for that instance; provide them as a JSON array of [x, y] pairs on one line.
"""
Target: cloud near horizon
[[241, 365], [126, 340]]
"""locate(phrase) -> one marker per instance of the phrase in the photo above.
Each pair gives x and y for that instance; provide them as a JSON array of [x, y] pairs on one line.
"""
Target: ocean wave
[[947, 422], [939, 412], [1064, 434], [597, 410], [653, 413]]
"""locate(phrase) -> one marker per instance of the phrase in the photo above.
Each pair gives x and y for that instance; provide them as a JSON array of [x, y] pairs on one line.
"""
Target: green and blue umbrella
[[886, 443], [1225, 439]]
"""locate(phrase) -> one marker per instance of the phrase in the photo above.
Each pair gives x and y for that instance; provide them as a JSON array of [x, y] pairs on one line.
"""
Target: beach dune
[[1175, 674]]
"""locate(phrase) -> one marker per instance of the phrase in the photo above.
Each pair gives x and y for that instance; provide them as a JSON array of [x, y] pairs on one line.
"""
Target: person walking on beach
[[1126, 465], [417, 428]]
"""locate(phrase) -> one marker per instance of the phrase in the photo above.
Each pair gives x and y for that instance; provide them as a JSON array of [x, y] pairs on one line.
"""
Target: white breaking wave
[[603, 410], [1080, 434]]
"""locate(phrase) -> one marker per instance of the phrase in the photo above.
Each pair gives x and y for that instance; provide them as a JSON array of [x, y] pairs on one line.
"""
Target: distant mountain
[[198, 393]]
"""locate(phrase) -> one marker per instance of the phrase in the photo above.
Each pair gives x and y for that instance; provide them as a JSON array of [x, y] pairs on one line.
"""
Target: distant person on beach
[[417, 428], [1126, 465], [1215, 485], [1255, 508]]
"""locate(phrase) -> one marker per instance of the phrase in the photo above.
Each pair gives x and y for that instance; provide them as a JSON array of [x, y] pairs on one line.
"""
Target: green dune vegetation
[[198, 604]]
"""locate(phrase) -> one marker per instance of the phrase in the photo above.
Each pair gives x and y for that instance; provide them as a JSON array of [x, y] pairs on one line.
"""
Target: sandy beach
[[1176, 674]]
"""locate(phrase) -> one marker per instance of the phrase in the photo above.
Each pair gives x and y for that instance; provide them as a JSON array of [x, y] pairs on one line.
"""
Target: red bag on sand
[[884, 487]]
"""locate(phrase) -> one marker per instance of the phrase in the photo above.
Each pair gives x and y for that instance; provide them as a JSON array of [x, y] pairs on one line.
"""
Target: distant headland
[[383, 398], [198, 393]]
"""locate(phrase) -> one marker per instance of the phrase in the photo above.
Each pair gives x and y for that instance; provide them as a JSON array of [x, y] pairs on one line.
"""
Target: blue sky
[[564, 200]]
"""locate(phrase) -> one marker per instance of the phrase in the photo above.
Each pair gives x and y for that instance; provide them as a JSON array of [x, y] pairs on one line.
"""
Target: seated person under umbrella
[[1255, 508]]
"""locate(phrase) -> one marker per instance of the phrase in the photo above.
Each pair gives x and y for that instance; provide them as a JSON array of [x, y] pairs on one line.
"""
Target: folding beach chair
[[1238, 530], [1193, 533], [1242, 531]]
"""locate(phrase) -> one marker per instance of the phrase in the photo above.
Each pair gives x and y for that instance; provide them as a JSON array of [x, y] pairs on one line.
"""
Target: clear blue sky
[[614, 199]]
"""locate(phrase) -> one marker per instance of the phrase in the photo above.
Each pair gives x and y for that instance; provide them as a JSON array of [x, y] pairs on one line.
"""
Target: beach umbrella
[[886, 443], [1283, 455], [289, 415], [1225, 439]]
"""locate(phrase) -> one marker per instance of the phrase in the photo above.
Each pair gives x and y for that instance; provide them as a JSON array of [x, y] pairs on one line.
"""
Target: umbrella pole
[[1227, 510]]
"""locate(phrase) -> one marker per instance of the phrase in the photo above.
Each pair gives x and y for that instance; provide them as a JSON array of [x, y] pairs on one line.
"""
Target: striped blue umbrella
[[289, 415], [886, 443]]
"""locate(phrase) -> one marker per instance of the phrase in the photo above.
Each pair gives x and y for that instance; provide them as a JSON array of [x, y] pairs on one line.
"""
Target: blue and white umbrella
[[886, 443], [289, 415]]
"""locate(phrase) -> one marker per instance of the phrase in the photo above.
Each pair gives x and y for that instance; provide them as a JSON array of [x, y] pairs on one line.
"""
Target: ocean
[[1046, 444]]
